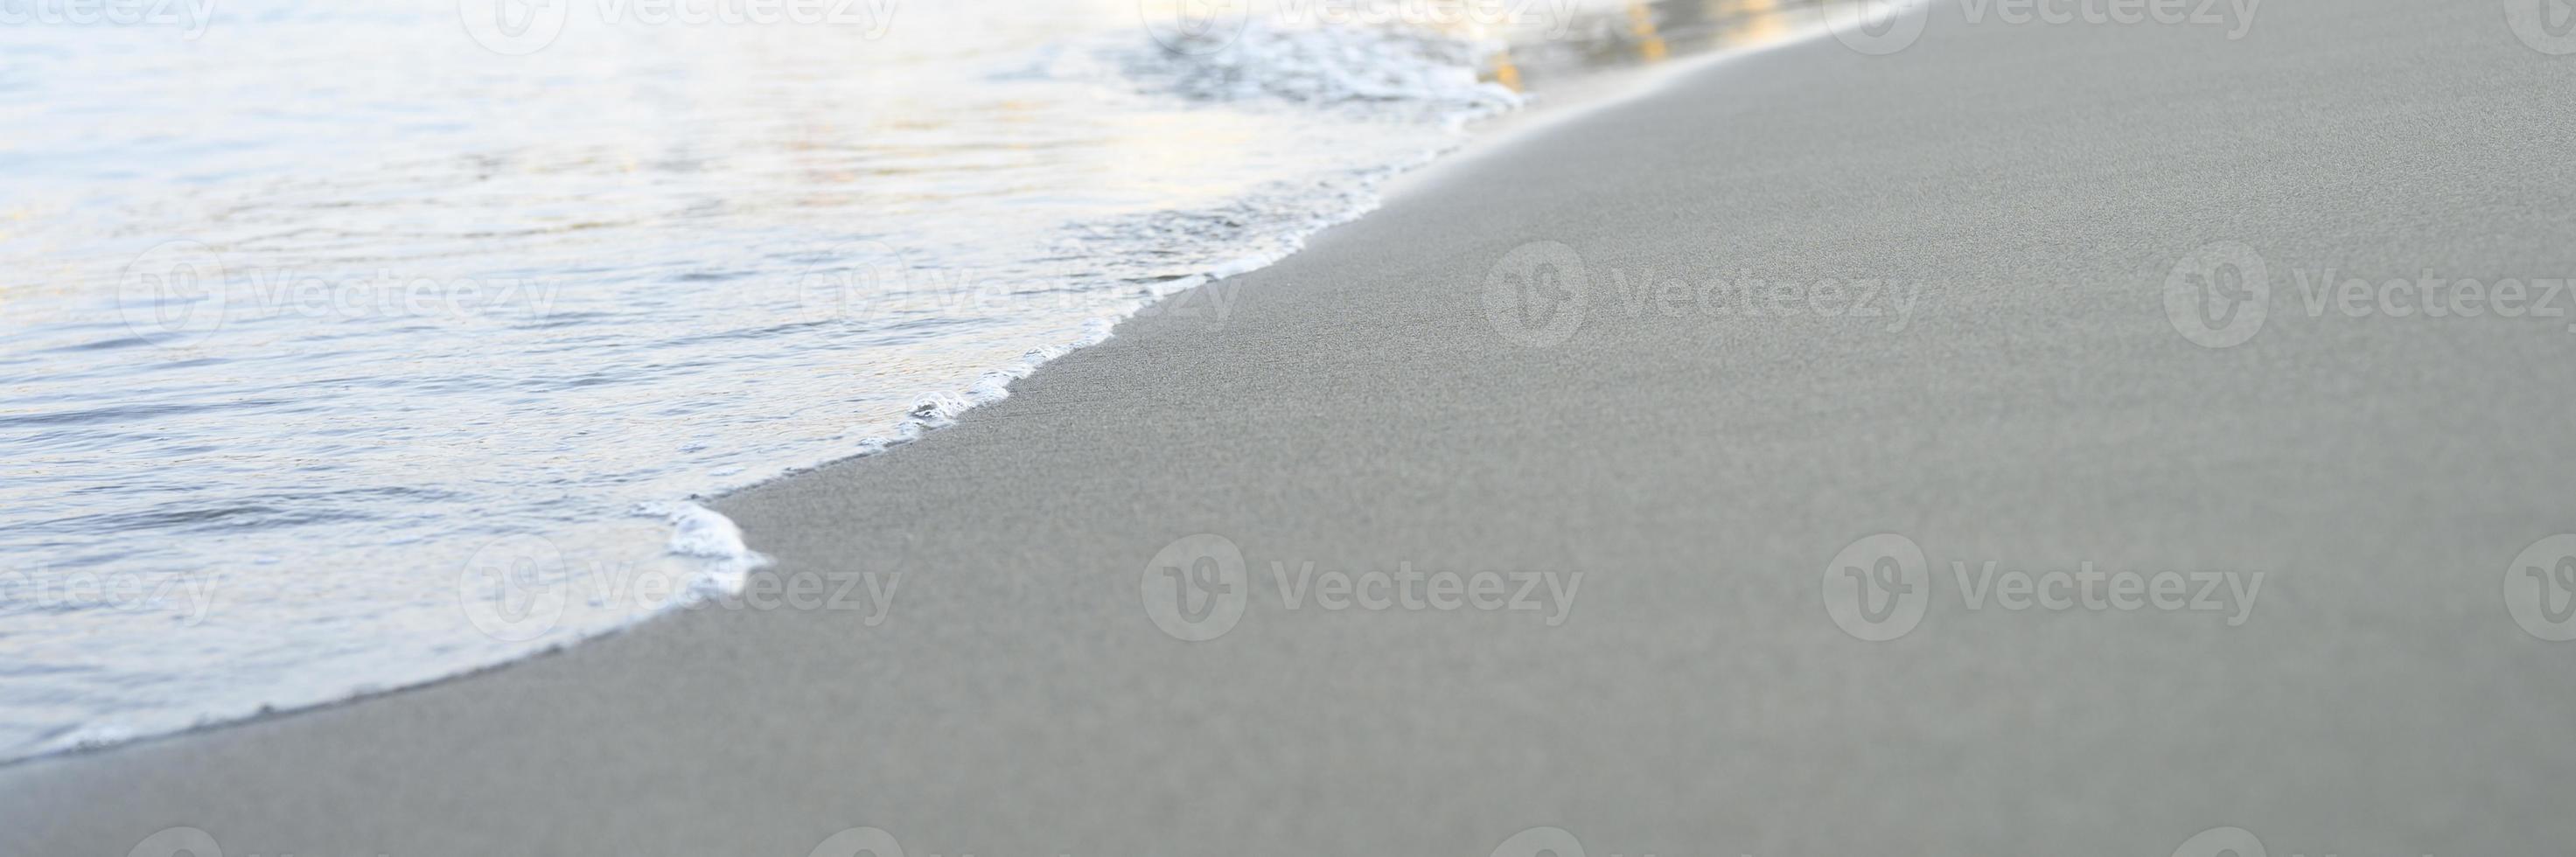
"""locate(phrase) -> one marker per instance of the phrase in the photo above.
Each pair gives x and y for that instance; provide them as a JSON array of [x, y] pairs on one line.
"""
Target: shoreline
[[1368, 406], [1598, 89]]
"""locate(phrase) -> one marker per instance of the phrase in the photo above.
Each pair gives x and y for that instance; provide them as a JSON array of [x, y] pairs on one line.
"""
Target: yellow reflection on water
[[1757, 22], [1643, 32], [1641, 23], [1505, 72]]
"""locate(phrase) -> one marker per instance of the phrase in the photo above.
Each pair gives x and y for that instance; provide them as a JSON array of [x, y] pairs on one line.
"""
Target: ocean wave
[[684, 349]]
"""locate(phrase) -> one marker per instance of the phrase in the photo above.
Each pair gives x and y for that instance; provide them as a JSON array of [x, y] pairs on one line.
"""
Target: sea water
[[348, 345]]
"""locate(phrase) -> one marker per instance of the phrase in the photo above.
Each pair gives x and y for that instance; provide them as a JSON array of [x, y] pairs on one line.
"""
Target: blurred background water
[[348, 345]]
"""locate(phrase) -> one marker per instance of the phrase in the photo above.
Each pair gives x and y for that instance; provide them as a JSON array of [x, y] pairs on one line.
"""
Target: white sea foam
[[701, 533], [1413, 73]]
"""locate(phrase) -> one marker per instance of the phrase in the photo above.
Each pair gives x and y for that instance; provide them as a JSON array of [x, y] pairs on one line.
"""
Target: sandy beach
[[1513, 515]]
